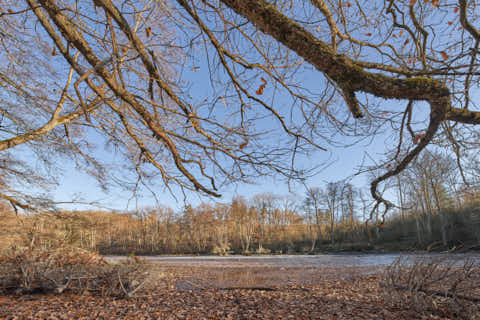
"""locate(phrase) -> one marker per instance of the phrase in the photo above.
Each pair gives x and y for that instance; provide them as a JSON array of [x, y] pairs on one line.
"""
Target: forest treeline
[[336, 217]]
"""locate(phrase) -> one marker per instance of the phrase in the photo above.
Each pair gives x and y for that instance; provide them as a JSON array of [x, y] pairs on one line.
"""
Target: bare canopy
[[199, 93]]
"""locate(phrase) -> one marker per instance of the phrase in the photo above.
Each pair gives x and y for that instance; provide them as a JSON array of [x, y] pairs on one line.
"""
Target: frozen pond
[[326, 260]]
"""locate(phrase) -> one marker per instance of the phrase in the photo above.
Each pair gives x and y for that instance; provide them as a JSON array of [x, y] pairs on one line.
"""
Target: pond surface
[[326, 260]]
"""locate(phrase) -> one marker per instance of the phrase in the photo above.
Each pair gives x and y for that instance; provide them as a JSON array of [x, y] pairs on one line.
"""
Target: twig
[[440, 293]]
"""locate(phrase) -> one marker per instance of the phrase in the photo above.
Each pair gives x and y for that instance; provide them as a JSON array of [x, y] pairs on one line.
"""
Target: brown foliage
[[262, 86], [67, 269]]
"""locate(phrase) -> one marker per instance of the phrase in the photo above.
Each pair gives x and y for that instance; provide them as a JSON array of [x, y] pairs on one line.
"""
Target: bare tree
[[263, 204], [432, 180], [349, 195], [244, 219], [288, 216], [123, 68], [315, 216], [222, 226], [332, 197]]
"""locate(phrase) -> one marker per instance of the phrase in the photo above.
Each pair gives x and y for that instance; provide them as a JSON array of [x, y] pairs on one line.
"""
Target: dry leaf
[[369, 34], [262, 86], [450, 23], [418, 137], [148, 31], [456, 10], [54, 51], [243, 144], [444, 55], [400, 33]]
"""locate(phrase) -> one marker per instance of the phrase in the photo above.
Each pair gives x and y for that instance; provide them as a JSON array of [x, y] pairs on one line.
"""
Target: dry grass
[[431, 284]]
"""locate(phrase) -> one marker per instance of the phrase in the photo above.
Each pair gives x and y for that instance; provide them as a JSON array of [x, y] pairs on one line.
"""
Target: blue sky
[[338, 163], [342, 163]]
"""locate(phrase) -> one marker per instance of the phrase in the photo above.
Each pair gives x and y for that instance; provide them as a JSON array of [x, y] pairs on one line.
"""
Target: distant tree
[[432, 179], [349, 197], [312, 206], [332, 197], [289, 217], [222, 228], [264, 205], [245, 220], [197, 225]]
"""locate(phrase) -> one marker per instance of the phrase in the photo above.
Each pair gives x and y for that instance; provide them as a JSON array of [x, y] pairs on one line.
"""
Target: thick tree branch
[[339, 68], [54, 121], [463, 116], [464, 21]]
